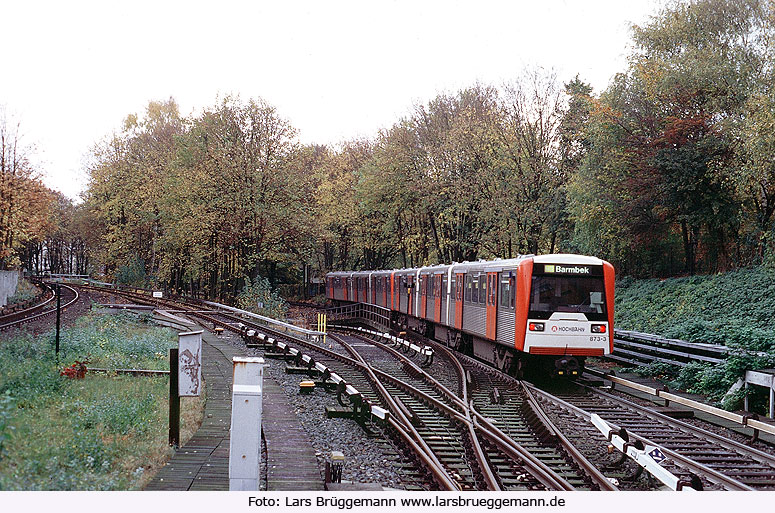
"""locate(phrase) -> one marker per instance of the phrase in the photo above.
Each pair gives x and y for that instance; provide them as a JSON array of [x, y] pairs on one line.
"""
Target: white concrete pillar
[[245, 442]]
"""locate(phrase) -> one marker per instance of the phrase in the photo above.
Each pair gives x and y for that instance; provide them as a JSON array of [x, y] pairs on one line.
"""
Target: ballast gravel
[[365, 461]]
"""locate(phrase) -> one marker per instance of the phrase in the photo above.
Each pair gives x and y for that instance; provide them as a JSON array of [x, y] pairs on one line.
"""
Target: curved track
[[69, 296]]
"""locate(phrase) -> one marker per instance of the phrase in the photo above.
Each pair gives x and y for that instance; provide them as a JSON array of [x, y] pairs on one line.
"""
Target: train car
[[544, 312], [381, 293], [337, 286]]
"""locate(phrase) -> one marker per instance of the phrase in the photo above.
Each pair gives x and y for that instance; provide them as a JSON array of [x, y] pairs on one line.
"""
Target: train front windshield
[[576, 294]]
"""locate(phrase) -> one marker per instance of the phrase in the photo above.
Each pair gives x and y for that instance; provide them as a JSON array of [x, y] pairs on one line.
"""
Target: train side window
[[443, 291], [468, 287], [503, 299], [488, 288], [482, 289], [475, 289]]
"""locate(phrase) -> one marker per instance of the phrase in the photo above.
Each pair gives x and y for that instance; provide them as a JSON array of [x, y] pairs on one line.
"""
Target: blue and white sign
[[657, 455]]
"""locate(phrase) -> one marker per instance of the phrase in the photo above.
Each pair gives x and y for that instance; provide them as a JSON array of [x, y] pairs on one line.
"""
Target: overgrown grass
[[99, 433], [733, 309]]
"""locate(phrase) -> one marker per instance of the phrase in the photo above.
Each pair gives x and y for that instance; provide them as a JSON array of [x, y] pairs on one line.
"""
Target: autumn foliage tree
[[668, 170], [26, 205]]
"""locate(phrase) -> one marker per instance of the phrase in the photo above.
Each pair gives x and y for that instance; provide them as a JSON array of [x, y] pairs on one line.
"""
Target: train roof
[[495, 265]]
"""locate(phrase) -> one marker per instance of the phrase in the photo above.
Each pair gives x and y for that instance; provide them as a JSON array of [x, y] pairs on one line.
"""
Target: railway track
[[69, 296], [470, 441], [721, 461], [481, 427], [450, 447]]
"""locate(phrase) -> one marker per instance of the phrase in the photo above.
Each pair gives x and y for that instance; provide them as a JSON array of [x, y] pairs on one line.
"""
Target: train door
[[364, 290], [437, 293], [424, 282], [492, 304], [395, 299], [459, 301], [409, 293], [384, 291]]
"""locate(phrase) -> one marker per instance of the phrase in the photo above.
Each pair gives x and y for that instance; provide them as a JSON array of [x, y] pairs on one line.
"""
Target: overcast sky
[[72, 71]]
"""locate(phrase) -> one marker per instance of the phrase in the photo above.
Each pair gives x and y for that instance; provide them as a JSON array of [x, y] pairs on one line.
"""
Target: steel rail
[[405, 428], [487, 473], [545, 475], [712, 475], [22, 314], [677, 424], [42, 314], [592, 471], [422, 448]]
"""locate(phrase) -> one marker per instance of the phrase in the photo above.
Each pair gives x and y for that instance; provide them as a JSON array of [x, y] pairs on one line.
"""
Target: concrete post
[[245, 442]]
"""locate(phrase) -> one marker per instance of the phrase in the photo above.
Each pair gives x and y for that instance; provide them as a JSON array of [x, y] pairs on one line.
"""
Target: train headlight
[[598, 328], [536, 326]]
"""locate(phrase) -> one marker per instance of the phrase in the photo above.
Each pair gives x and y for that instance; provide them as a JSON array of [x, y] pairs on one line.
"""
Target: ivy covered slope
[[736, 309]]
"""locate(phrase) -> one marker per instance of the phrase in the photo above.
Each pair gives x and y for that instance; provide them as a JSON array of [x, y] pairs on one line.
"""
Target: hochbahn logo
[[567, 328], [566, 269]]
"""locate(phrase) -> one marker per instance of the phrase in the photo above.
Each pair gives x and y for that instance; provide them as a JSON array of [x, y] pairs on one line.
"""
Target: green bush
[[258, 297], [24, 291], [732, 309]]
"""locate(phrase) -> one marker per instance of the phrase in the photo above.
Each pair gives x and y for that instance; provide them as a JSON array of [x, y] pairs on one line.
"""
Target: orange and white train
[[544, 312]]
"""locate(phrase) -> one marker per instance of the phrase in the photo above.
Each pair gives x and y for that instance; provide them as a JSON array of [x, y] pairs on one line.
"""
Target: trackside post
[[59, 311], [245, 440], [174, 399]]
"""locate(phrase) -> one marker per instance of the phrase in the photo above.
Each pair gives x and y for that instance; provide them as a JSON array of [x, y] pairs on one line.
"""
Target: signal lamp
[[536, 326], [598, 328]]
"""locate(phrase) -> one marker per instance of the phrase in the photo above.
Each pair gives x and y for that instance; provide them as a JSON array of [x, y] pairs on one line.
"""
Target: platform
[[203, 462]]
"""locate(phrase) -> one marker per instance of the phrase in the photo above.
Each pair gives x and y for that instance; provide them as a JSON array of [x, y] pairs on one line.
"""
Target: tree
[[25, 204], [663, 151]]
